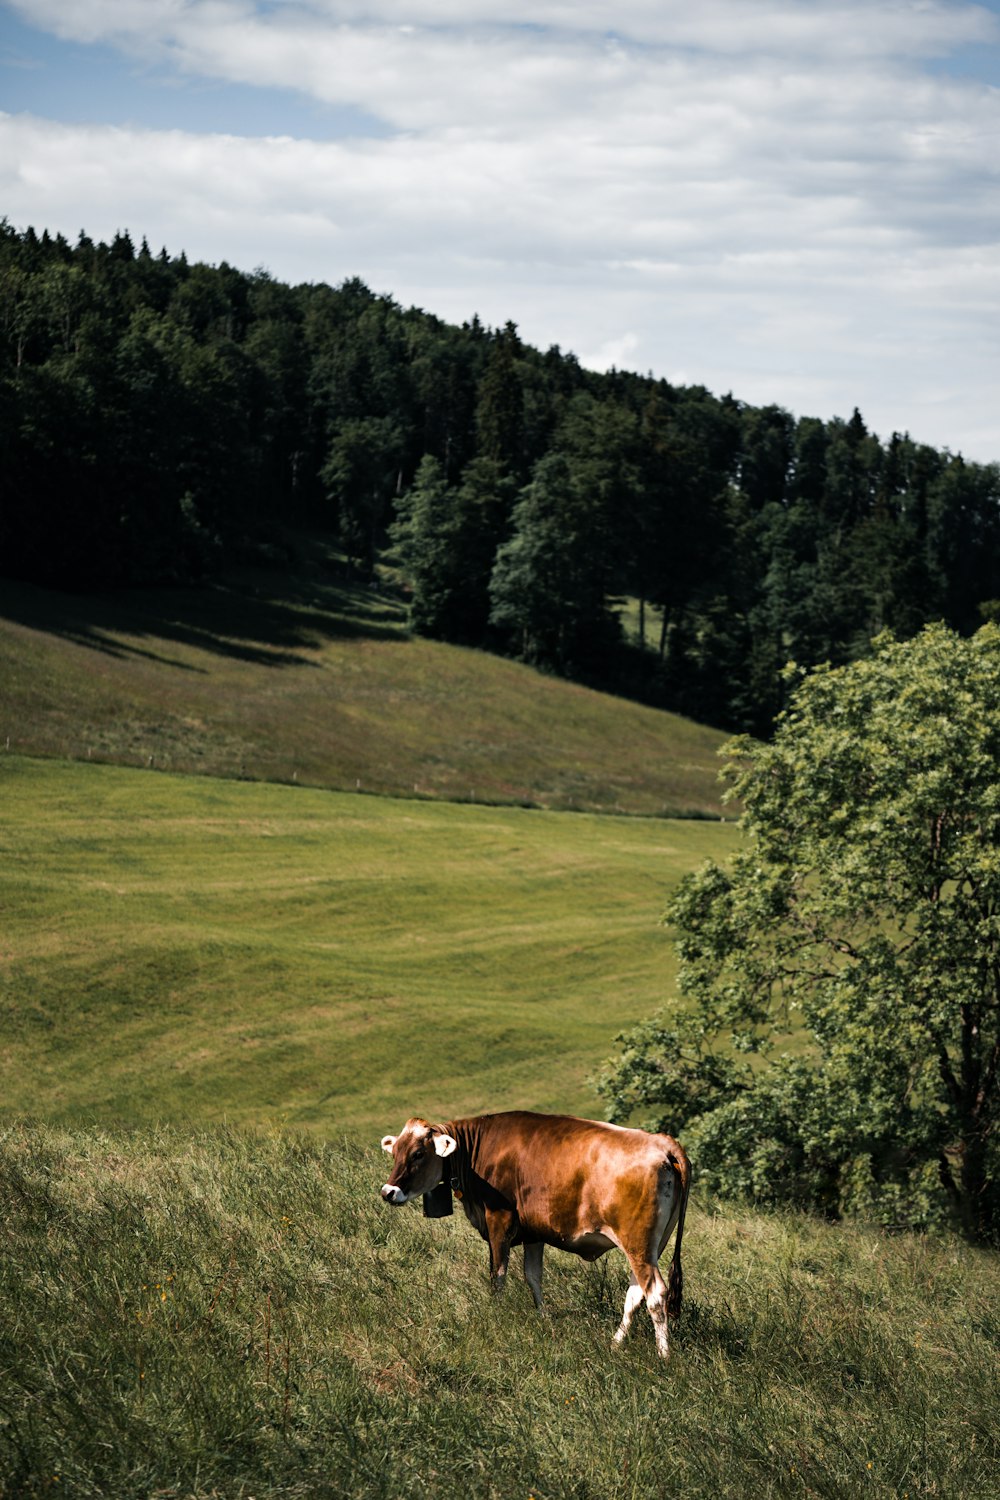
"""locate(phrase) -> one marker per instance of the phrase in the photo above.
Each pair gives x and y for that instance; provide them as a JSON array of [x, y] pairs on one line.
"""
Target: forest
[[162, 420]]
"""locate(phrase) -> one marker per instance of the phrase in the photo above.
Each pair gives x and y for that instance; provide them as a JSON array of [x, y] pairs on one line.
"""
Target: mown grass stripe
[[186, 949]]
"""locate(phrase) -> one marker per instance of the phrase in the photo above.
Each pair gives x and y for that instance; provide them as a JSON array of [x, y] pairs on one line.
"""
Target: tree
[[360, 474], [690, 443], [446, 539], [962, 538], [549, 584], [444, 373], [500, 408], [841, 1041], [766, 452], [422, 536], [853, 457]]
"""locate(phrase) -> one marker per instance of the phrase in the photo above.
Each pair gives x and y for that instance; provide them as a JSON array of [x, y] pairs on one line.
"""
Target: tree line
[[155, 414]]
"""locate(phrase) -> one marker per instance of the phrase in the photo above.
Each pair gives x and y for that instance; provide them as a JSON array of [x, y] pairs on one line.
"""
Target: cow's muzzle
[[393, 1195]]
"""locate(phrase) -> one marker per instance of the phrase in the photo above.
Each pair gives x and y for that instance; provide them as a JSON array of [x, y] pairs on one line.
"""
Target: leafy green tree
[[360, 475], [483, 504], [840, 1043], [446, 539], [422, 536], [549, 584]]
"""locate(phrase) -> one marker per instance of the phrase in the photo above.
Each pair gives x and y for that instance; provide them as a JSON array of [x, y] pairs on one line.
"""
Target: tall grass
[[230, 1314]]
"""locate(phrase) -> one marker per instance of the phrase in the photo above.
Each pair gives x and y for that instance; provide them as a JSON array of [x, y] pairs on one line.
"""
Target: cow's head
[[418, 1155]]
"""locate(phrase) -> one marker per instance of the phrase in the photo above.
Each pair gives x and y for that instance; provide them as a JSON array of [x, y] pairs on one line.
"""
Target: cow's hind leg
[[533, 1271], [643, 1256], [652, 1289], [633, 1297]]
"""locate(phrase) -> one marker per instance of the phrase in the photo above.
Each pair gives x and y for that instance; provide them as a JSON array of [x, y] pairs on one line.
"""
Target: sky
[[797, 201]]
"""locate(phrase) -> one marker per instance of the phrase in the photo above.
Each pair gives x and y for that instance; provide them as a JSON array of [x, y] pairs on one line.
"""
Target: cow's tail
[[675, 1281]]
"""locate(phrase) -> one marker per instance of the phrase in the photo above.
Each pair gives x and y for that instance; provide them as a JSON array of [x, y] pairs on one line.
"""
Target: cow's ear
[[444, 1145], [388, 1141]]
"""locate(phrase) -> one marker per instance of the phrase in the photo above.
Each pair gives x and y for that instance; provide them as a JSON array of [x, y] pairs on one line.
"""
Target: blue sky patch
[[90, 84]]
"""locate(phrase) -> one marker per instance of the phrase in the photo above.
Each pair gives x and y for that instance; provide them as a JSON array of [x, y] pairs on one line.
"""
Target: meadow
[[222, 1313], [217, 992], [305, 675], [178, 948], [217, 996]]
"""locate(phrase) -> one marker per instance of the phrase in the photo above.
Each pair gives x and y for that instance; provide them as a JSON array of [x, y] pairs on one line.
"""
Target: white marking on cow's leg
[[656, 1304], [533, 1272], [633, 1297]]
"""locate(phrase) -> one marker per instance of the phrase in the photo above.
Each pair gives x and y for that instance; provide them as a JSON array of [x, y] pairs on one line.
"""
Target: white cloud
[[783, 27], [430, 64], [613, 353], [776, 198]]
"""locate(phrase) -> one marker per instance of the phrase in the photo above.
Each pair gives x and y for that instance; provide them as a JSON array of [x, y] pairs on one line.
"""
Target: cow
[[580, 1185]]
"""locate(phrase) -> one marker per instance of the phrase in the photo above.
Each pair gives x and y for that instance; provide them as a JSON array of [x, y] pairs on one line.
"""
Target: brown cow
[[537, 1180]]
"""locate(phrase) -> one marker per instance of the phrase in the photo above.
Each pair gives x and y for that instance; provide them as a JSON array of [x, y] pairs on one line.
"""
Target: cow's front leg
[[501, 1227], [533, 1271]]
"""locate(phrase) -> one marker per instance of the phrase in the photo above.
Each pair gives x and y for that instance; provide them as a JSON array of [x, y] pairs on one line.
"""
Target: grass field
[[217, 994], [185, 949], [307, 676], [230, 1315]]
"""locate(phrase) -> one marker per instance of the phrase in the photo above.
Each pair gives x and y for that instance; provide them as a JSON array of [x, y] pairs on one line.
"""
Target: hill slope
[[239, 1315], [180, 948], [308, 676]]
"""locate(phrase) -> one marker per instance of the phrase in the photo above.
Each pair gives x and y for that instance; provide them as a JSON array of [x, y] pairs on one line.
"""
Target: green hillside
[[220, 946], [217, 992], [237, 1315], [192, 949], [308, 676], [216, 995]]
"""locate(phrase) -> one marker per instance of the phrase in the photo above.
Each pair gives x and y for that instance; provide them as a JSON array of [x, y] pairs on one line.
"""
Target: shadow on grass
[[273, 620], [701, 1325], [704, 1327]]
